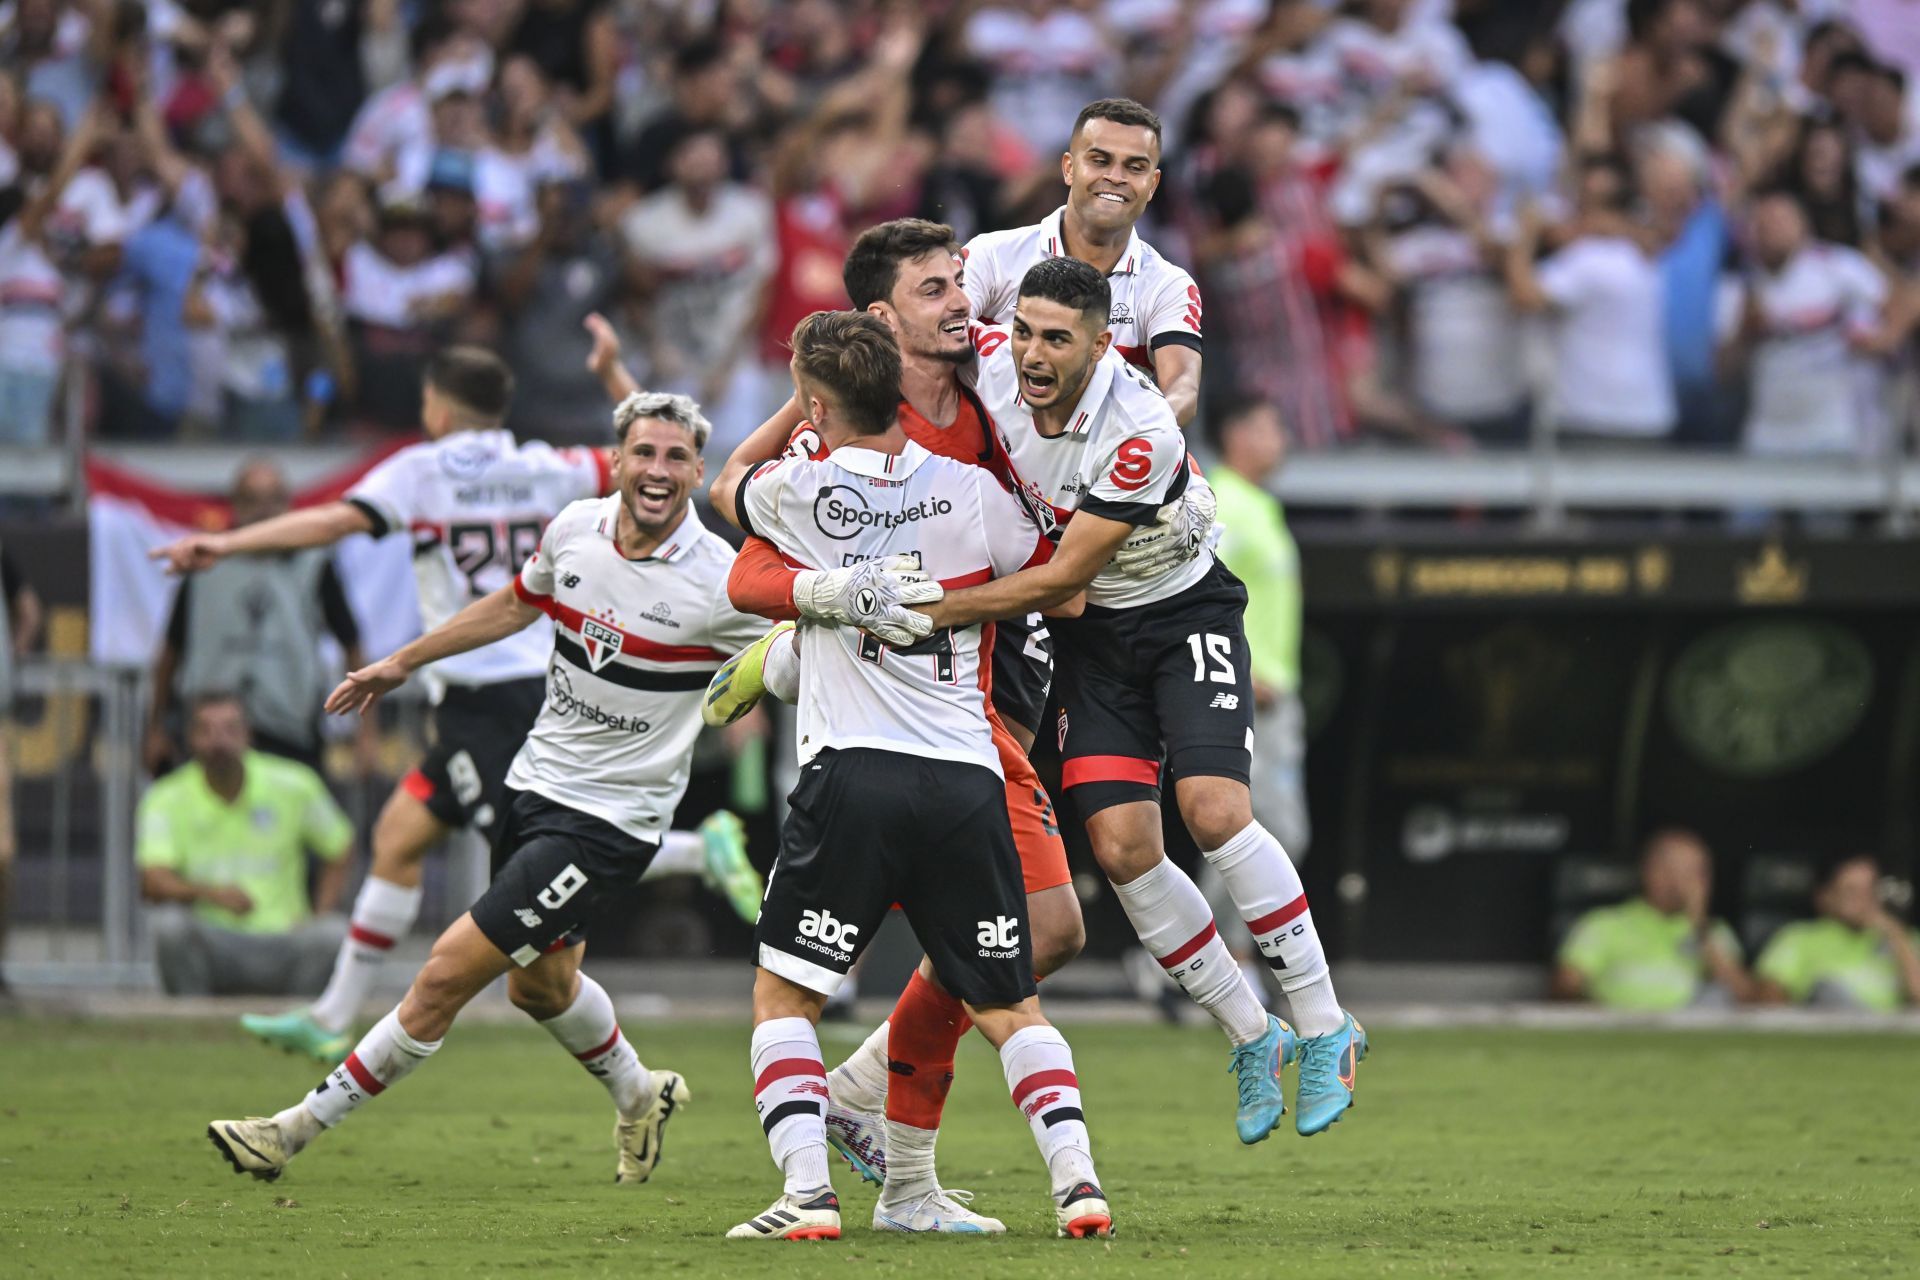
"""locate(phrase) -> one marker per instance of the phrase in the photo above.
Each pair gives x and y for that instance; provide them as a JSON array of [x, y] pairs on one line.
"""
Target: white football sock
[[1039, 1070], [589, 1031], [789, 1092], [1250, 970], [781, 671], [1169, 913], [861, 1081], [383, 913], [909, 1162], [1266, 888], [682, 853], [384, 1057]]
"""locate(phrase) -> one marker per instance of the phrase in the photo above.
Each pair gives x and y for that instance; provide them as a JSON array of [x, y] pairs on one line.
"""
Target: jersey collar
[[673, 550], [879, 466], [1093, 399], [1055, 244]]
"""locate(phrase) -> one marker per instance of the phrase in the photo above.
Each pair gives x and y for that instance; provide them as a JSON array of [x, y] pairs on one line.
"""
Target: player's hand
[[873, 595], [606, 345], [229, 897], [1175, 538], [362, 688], [192, 554]]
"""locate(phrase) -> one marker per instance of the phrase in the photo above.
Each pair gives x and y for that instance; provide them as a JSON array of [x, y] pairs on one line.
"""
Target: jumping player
[[589, 794], [900, 797], [475, 502], [908, 273], [1155, 669]]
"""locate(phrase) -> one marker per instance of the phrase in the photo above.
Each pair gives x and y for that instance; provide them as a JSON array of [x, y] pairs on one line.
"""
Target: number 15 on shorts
[[1212, 657]]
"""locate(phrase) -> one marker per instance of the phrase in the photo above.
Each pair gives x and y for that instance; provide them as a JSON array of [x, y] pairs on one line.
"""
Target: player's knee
[[1127, 853], [1216, 811], [1056, 949], [540, 996]]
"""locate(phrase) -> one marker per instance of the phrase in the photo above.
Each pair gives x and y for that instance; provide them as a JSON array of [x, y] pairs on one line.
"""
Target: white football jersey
[[1155, 303], [1122, 457], [634, 644], [475, 503], [858, 504]]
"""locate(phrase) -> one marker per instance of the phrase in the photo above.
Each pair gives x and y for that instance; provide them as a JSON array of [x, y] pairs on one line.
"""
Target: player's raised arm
[[492, 617], [319, 526], [603, 360]]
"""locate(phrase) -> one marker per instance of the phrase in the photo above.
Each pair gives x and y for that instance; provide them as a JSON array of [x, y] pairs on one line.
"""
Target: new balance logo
[[1225, 701], [569, 579], [822, 925], [999, 934], [528, 919]]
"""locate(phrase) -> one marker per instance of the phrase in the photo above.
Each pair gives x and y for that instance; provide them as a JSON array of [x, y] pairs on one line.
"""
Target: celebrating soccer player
[[590, 792], [900, 797], [474, 501]]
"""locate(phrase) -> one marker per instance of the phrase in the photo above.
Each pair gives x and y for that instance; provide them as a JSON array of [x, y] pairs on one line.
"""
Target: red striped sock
[[1168, 911], [384, 1056], [790, 1093], [589, 1031], [1040, 1076], [1267, 892]]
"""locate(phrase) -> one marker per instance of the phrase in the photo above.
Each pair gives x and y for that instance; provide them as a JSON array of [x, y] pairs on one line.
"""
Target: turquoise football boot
[[297, 1032], [1328, 1066], [1258, 1066]]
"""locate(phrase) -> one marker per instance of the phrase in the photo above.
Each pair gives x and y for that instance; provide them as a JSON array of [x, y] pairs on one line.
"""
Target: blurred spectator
[[1660, 951], [575, 46], [250, 626], [1690, 227], [1435, 245], [33, 291], [401, 295], [1810, 317], [532, 144], [1049, 59], [57, 51], [1257, 546], [1268, 259], [1611, 379], [395, 134], [222, 848], [703, 250], [1885, 141], [321, 53], [1820, 171], [570, 271], [1856, 955], [706, 97], [20, 616]]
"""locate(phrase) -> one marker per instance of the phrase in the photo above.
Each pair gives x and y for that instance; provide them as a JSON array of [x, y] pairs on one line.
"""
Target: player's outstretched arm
[[490, 618], [1178, 371], [320, 526], [603, 361], [1084, 550]]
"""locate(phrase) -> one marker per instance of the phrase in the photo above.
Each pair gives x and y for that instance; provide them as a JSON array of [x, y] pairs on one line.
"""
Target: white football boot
[[812, 1216], [254, 1145], [639, 1139], [935, 1210], [1082, 1211]]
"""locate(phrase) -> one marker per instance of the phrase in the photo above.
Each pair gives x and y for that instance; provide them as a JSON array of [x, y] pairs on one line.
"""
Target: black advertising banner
[[1482, 714]]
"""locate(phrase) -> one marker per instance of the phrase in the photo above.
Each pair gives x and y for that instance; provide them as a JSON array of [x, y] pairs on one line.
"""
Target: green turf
[[1471, 1153]]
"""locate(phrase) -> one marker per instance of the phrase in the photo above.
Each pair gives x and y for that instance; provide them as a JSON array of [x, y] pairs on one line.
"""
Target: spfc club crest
[[600, 640]]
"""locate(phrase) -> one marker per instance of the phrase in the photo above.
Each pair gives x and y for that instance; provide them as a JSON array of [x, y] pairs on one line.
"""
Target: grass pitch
[[1476, 1153]]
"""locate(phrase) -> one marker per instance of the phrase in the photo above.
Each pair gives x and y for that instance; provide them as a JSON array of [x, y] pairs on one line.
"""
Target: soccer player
[[1155, 669], [475, 502], [1111, 169], [909, 274], [589, 793], [900, 797]]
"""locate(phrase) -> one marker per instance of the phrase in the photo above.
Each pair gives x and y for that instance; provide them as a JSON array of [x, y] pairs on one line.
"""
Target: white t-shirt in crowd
[[32, 336], [711, 265], [1610, 350], [379, 291], [99, 214], [1462, 335], [1046, 67], [1808, 390]]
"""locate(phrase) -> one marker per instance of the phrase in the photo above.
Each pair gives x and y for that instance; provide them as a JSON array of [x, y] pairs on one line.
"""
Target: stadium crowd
[[254, 221]]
